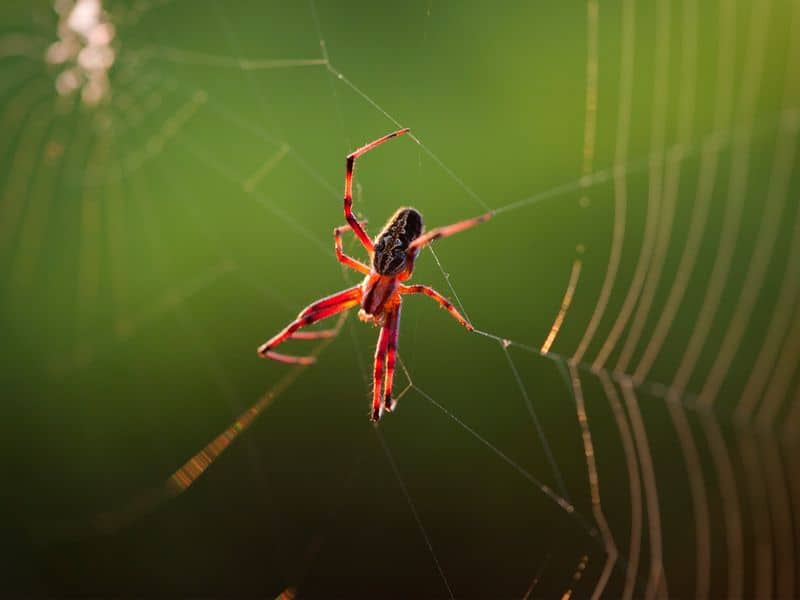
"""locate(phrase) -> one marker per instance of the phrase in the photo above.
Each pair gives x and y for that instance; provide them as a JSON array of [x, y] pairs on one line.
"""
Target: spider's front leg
[[341, 256], [448, 230], [319, 310], [348, 188]]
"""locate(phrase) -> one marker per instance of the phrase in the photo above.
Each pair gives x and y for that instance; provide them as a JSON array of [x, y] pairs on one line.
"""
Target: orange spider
[[392, 256]]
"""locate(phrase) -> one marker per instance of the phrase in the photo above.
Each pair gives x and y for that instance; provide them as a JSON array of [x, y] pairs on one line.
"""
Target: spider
[[392, 255]]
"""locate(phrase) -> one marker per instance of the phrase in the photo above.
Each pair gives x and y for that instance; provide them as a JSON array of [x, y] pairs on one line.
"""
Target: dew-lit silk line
[[592, 64], [116, 238], [777, 188], [89, 253], [778, 326], [265, 169], [169, 130], [179, 56], [708, 167], [734, 199], [27, 104], [128, 325], [786, 366], [791, 429], [551, 459], [536, 579], [461, 183], [734, 205], [731, 508], [289, 593], [709, 160], [186, 475], [577, 575], [634, 484], [620, 186], [18, 44], [656, 581], [28, 175], [655, 170], [697, 488], [414, 512], [755, 485], [670, 183], [778, 498], [565, 304], [594, 484], [34, 228]]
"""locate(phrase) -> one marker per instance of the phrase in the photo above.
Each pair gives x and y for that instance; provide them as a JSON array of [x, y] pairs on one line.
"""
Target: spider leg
[[327, 308], [377, 375], [348, 188], [341, 256], [348, 294], [446, 304], [391, 357], [447, 230]]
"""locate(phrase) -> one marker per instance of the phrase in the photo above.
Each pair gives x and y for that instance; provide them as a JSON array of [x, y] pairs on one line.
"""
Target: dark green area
[[130, 318]]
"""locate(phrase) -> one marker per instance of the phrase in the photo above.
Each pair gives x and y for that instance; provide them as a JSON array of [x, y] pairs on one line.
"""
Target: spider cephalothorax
[[392, 256]]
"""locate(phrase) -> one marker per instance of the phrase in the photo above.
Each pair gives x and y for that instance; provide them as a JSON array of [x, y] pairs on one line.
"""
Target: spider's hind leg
[[377, 374], [393, 324], [322, 309]]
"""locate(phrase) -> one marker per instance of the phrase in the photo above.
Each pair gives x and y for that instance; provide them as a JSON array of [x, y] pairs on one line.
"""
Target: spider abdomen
[[391, 244]]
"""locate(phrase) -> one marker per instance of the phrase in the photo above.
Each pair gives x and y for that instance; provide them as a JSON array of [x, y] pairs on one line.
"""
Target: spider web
[[624, 420]]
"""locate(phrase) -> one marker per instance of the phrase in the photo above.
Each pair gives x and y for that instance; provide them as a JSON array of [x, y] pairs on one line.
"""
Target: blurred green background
[[152, 242]]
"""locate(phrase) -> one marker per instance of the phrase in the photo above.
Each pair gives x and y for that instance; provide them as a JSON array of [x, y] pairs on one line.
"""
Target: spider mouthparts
[[375, 416], [389, 403]]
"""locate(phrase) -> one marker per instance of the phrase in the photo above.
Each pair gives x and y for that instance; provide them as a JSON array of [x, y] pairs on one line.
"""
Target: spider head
[[391, 244]]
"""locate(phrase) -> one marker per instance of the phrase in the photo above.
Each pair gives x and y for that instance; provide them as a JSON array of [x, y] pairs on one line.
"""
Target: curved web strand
[[656, 580], [671, 181], [24, 45], [777, 188], [777, 492], [214, 370], [620, 186], [697, 489], [634, 484], [709, 160], [576, 576], [791, 436], [779, 324], [755, 485], [90, 249], [574, 274], [737, 186], [655, 169], [33, 230], [153, 146], [592, 67], [594, 482], [731, 508], [192, 469], [33, 114], [778, 388]]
